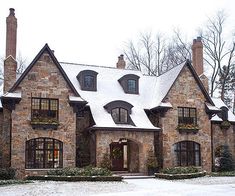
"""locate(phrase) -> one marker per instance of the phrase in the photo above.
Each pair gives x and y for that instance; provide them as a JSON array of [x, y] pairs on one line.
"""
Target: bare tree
[[154, 55], [219, 55]]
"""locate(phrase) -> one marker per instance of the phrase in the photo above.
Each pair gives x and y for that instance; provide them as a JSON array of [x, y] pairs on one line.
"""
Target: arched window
[[43, 153], [120, 115], [187, 153], [120, 111], [130, 83], [88, 80]]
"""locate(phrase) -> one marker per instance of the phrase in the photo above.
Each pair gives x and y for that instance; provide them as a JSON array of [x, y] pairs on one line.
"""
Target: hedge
[[180, 176], [75, 178], [7, 173]]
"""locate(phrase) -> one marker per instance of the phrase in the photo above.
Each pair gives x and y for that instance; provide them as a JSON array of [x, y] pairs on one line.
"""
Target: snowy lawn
[[205, 186]]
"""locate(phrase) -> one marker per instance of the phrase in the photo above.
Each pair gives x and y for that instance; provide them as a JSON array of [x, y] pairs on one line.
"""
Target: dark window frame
[[124, 83], [81, 79], [119, 119], [31, 151], [188, 116], [120, 104], [44, 113], [190, 153]]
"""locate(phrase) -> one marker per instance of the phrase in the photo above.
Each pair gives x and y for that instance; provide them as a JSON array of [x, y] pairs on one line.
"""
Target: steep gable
[[45, 49], [197, 80]]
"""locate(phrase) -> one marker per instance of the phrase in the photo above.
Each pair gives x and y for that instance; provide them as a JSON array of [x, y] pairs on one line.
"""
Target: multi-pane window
[[44, 109], [89, 82], [44, 153], [131, 86], [120, 115], [187, 153], [187, 115]]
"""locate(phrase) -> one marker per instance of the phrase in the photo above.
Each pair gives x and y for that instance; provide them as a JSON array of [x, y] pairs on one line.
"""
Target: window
[[130, 83], [187, 153], [131, 86], [87, 80], [120, 115], [44, 110], [187, 115], [43, 153], [120, 112]]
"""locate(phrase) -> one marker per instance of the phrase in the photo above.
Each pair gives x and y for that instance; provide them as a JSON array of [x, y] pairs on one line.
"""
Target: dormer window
[[120, 115], [131, 86], [120, 111], [224, 113], [88, 80], [130, 83]]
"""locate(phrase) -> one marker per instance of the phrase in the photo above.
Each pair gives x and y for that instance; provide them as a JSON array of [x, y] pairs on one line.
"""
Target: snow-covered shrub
[[7, 173]]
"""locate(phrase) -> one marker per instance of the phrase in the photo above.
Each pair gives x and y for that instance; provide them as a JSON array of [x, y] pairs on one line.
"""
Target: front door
[[116, 150]]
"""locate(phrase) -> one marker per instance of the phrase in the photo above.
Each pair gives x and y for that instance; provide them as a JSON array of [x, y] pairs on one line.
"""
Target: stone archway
[[124, 155]]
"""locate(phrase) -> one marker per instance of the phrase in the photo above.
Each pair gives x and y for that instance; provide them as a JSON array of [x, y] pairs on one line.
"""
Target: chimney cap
[[12, 11]]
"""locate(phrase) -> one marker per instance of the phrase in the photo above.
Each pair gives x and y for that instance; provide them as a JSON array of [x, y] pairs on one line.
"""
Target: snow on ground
[[206, 186]]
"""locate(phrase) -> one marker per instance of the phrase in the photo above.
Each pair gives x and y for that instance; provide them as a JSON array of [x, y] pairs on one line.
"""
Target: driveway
[[206, 186]]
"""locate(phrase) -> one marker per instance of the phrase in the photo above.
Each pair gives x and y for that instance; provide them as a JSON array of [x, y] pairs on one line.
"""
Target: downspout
[[212, 149]]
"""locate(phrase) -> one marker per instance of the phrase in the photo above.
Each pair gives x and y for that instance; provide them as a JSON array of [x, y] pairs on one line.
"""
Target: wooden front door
[[116, 150]]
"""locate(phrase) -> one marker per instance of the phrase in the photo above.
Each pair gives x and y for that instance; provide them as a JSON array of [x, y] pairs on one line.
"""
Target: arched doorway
[[124, 155]]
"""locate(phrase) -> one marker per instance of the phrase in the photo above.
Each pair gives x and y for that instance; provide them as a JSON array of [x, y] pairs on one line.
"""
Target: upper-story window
[[130, 83], [120, 112], [120, 115], [88, 80], [131, 86], [44, 110], [187, 115]]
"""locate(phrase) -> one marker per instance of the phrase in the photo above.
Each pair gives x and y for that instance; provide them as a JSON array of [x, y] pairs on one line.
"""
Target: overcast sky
[[95, 31]]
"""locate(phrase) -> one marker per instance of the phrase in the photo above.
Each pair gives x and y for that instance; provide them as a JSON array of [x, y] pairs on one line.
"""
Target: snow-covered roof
[[16, 95], [151, 92], [75, 99], [219, 103]]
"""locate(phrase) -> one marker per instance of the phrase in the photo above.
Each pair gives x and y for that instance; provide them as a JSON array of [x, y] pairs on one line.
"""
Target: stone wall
[[185, 92], [145, 141], [43, 80], [223, 137]]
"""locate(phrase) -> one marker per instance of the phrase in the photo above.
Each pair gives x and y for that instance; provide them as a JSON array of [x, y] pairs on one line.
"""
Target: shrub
[[106, 162], [7, 173], [152, 160], [224, 161], [180, 170], [86, 171]]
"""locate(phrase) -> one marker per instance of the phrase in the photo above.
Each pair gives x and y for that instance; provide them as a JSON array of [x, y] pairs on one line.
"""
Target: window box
[[44, 124], [187, 128]]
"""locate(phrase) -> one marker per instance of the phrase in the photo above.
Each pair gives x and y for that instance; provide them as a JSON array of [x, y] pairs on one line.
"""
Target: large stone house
[[66, 115]]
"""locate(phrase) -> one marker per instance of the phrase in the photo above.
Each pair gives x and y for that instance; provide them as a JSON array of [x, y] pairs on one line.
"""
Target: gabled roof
[[219, 103], [152, 91], [47, 49]]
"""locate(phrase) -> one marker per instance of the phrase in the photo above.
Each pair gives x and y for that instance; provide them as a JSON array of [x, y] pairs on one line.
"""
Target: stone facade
[[144, 140], [223, 137], [43, 80], [185, 92]]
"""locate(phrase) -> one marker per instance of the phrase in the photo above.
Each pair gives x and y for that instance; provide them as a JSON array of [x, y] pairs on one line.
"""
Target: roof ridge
[[99, 66]]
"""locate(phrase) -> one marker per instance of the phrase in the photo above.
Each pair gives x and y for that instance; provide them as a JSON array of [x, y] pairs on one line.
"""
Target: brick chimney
[[121, 64], [197, 49], [11, 32], [10, 64]]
